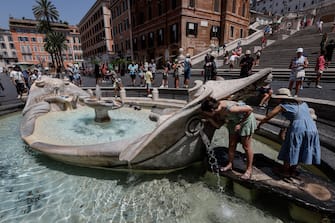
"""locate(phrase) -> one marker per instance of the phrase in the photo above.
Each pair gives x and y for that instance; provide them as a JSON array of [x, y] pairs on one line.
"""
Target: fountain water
[[35, 188]]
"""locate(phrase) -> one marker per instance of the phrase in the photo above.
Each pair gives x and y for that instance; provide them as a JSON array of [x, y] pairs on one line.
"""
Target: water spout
[[98, 92]]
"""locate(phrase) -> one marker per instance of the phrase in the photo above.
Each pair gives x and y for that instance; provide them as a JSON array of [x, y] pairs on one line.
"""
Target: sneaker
[[318, 86]]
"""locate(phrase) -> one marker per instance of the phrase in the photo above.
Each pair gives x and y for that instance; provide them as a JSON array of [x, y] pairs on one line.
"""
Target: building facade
[[156, 29], [8, 53], [283, 7], [95, 33], [29, 44]]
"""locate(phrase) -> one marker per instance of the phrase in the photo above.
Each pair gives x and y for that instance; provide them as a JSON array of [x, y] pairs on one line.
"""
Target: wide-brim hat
[[283, 93]]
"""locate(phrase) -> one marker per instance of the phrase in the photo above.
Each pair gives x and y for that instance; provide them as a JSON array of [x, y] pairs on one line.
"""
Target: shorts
[[264, 90], [319, 73], [148, 85], [187, 74], [133, 76]]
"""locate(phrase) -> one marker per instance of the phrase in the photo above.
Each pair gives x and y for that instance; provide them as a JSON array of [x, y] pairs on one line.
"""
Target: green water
[[34, 188]]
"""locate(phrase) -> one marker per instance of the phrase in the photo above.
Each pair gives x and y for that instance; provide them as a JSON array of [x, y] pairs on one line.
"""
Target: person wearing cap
[[246, 64], [297, 66], [301, 143], [187, 70], [18, 80]]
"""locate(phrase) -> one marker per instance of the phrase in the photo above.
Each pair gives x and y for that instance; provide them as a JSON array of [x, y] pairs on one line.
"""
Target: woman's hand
[[259, 125]]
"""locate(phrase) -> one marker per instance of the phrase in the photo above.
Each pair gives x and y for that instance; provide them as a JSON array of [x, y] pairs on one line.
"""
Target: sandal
[[247, 175]]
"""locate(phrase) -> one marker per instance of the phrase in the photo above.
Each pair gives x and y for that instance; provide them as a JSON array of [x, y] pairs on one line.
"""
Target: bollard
[[122, 94], [155, 94]]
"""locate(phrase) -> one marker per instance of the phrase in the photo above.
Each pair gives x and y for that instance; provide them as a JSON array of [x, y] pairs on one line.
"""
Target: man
[[209, 68], [246, 64], [132, 68], [18, 80]]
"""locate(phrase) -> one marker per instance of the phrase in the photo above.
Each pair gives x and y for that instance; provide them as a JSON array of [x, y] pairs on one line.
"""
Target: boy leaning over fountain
[[241, 126]]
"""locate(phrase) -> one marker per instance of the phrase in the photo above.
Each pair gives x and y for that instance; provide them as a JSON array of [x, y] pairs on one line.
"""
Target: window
[[231, 31], [241, 33], [149, 12], [173, 4], [215, 32], [160, 37], [11, 45], [233, 9], [143, 43], [3, 46], [160, 8], [174, 33], [10, 38], [243, 9], [191, 3], [135, 43], [216, 5], [1, 38], [191, 29], [33, 39], [151, 39]]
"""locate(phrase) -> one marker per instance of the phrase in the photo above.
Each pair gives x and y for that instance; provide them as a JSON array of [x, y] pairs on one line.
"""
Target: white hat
[[300, 50], [283, 93], [247, 52]]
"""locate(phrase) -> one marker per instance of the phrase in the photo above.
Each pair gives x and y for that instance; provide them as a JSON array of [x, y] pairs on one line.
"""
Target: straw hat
[[247, 52], [283, 93]]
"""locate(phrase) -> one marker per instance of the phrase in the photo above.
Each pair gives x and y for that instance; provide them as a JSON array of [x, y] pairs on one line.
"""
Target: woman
[[301, 143], [297, 66], [241, 126]]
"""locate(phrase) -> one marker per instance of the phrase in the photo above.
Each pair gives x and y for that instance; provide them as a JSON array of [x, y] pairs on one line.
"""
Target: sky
[[71, 11]]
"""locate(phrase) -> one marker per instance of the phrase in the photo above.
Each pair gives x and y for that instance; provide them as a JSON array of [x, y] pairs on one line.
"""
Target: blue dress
[[301, 144]]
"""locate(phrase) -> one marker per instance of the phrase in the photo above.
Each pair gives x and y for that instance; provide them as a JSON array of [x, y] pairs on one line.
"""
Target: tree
[[45, 12], [55, 44]]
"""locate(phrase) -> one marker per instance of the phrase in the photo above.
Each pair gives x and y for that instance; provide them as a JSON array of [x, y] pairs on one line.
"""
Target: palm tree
[[55, 44], [45, 12]]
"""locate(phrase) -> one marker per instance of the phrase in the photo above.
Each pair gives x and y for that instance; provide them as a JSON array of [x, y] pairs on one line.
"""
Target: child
[[148, 78], [266, 93], [319, 68], [165, 77], [117, 83]]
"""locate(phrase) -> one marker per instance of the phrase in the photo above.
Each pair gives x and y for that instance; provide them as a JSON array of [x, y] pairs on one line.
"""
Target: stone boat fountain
[[172, 143], [170, 135]]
